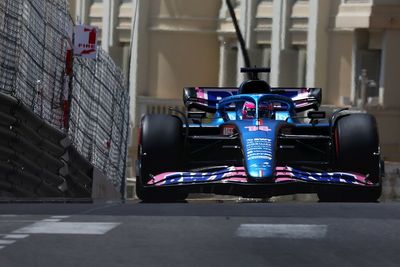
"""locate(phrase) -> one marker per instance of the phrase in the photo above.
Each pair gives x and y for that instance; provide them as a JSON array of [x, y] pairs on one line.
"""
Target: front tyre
[[160, 150], [357, 150]]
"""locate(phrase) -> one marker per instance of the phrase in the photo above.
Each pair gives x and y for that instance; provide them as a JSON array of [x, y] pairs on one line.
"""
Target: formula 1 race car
[[255, 141]]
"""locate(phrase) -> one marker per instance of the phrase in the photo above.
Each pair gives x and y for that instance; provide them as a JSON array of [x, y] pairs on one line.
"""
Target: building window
[[370, 61], [367, 66]]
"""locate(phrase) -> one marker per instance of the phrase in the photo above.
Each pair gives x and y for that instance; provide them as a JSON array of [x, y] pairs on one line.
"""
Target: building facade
[[311, 43]]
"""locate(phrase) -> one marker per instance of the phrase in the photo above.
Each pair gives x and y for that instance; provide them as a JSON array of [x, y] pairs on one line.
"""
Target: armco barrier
[[30, 157], [37, 161]]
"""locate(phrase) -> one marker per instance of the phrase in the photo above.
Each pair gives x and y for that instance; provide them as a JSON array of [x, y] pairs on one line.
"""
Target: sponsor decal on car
[[258, 128]]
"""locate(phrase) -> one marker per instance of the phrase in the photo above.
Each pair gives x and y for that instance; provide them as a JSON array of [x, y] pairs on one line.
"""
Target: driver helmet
[[264, 110], [249, 110]]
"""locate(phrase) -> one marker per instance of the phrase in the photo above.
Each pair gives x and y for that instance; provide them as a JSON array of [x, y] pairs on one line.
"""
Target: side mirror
[[314, 115]]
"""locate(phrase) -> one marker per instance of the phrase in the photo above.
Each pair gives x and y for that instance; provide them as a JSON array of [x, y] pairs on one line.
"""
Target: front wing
[[234, 181], [238, 175]]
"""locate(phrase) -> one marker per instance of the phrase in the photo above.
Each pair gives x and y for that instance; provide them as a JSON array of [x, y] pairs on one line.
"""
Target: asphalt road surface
[[200, 233]]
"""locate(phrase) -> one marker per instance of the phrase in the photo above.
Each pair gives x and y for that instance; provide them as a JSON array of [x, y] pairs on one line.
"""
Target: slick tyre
[[160, 150], [357, 150]]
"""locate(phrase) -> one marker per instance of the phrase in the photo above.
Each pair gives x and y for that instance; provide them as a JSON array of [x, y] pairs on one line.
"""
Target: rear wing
[[206, 98]]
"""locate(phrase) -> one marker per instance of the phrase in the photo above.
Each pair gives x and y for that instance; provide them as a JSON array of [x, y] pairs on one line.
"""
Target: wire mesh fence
[[33, 52], [33, 45], [100, 114]]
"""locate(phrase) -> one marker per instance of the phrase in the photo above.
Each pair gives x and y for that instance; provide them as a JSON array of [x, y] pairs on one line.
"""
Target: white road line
[[60, 217], [6, 242], [9, 239], [16, 236], [78, 228], [53, 225], [294, 231]]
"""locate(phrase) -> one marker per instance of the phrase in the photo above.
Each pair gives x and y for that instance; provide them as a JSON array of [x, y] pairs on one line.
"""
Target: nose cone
[[259, 142]]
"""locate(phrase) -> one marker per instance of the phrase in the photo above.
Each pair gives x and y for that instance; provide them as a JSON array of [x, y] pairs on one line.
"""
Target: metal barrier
[[33, 60], [34, 156]]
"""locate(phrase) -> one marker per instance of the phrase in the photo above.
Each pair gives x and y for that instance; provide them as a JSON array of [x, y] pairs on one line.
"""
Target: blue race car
[[252, 141]]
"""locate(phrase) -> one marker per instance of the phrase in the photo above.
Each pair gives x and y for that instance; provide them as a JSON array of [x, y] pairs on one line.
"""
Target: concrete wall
[[195, 55], [183, 46]]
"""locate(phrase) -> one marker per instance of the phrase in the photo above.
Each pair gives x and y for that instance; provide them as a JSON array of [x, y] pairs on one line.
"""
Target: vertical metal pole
[[123, 181]]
